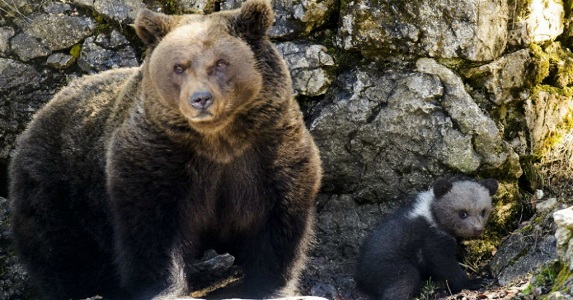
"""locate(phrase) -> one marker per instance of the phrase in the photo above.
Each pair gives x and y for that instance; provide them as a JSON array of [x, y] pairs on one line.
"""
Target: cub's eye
[[463, 214], [178, 69], [483, 213]]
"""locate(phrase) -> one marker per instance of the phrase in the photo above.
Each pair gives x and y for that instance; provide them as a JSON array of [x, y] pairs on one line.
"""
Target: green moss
[[75, 51], [552, 277], [560, 281], [103, 25], [565, 125], [554, 64]]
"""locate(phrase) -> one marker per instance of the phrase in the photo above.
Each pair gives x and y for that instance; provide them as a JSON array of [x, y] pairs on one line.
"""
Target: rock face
[[473, 30], [529, 248], [14, 282], [396, 94]]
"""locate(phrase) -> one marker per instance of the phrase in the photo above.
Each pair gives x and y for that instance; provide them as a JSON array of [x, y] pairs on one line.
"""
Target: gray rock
[[528, 249], [113, 40], [292, 17], [14, 74], [299, 17], [564, 235], [544, 111], [95, 58], [562, 295], [522, 253], [341, 226], [121, 11], [60, 61], [22, 91], [27, 47], [535, 22], [309, 66], [390, 133], [213, 262], [473, 30], [467, 115], [16, 8], [59, 32], [202, 6], [84, 3], [5, 34], [55, 8], [229, 4], [506, 79], [14, 281]]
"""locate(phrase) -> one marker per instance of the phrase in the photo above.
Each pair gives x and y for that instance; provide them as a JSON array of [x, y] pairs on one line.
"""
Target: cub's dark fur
[[127, 176], [419, 240]]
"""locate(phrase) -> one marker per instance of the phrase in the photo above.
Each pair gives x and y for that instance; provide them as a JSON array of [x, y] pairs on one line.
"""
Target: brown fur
[[123, 176]]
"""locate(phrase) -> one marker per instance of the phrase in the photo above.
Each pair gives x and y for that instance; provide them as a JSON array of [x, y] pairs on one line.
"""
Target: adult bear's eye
[[178, 69], [221, 64]]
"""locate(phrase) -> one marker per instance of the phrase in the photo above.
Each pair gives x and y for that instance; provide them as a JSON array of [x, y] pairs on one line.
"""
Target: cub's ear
[[491, 185], [151, 27], [441, 187], [254, 19]]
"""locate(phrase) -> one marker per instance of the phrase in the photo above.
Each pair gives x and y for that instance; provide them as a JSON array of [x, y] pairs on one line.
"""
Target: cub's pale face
[[464, 210], [205, 73]]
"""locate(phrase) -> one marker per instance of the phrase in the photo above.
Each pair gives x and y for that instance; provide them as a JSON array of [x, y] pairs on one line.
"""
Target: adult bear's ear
[[151, 27], [253, 19]]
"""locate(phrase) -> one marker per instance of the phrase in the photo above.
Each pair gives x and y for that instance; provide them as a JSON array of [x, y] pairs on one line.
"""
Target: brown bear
[[125, 178]]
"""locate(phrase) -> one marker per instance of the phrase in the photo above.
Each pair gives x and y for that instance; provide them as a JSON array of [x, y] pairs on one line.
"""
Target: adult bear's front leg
[[273, 260], [274, 257], [144, 193]]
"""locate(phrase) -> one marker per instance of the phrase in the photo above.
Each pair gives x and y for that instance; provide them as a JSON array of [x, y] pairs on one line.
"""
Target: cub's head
[[203, 66], [463, 207]]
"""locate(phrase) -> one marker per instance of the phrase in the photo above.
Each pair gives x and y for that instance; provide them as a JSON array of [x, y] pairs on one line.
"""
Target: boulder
[[385, 134], [309, 66], [472, 30]]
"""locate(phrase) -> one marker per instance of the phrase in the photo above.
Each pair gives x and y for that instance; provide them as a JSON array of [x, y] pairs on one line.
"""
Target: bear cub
[[418, 241], [125, 178]]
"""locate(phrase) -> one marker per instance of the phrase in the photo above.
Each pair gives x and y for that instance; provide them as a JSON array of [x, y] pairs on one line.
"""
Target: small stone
[[114, 40], [5, 34], [55, 7], [196, 7], [60, 61], [58, 32], [27, 47], [503, 77], [86, 3], [123, 11], [564, 218], [309, 67], [94, 58], [547, 205], [214, 263]]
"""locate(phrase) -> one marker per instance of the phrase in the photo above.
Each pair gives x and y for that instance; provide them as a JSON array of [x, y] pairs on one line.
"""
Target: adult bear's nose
[[201, 100]]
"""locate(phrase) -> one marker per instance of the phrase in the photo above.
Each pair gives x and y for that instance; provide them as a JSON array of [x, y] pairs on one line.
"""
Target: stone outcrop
[[473, 30]]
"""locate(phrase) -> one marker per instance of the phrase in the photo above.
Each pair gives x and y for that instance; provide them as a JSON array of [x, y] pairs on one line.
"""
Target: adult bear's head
[[208, 67]]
